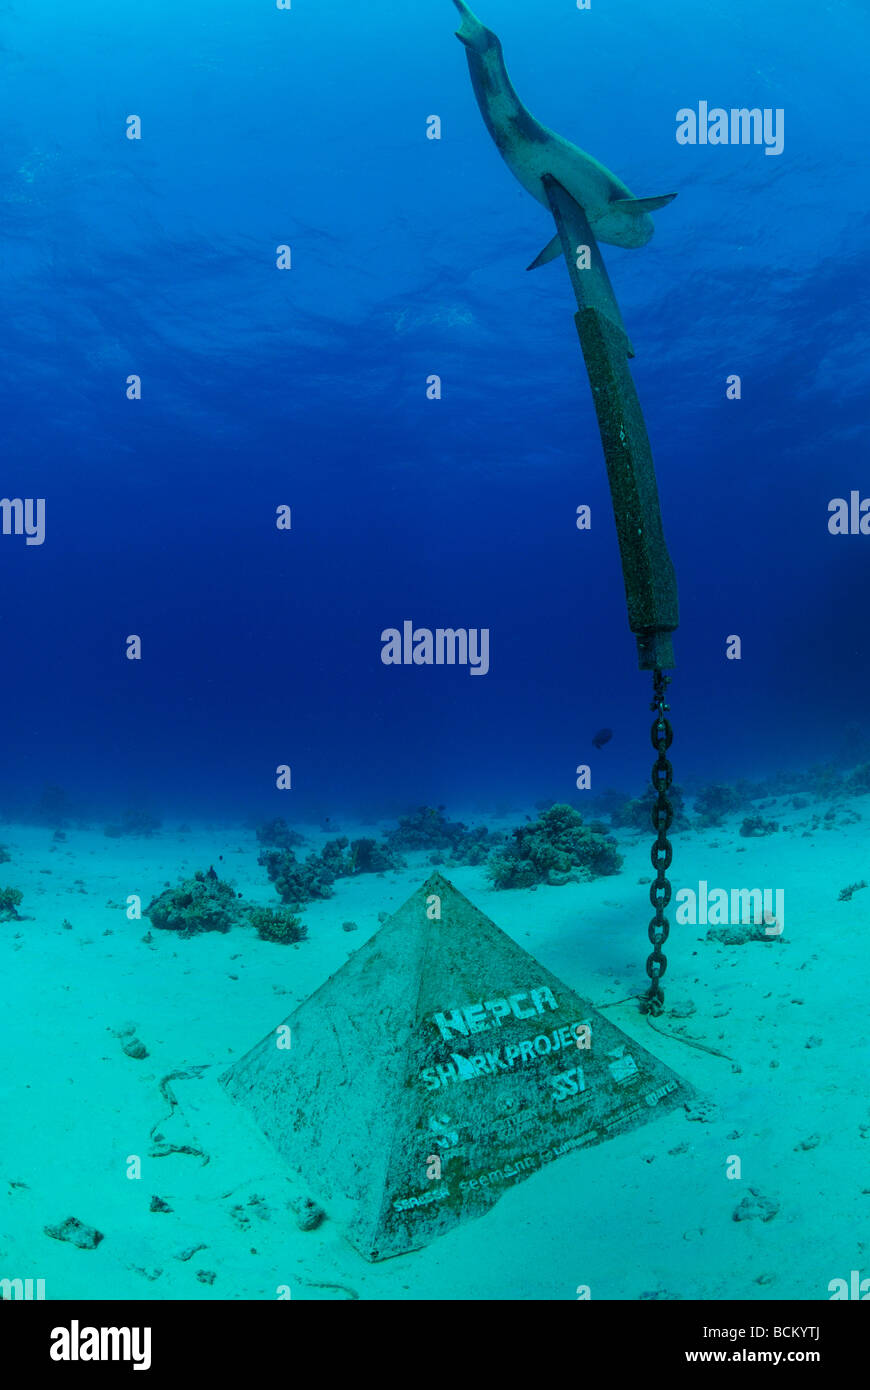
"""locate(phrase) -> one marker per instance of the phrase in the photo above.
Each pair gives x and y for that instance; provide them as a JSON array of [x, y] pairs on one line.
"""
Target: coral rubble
[[277, 924], [756, 826], [276, 834], [202, 903], [300, 881], [635, 813], [10, 901], [715, 802], [556, 849], [453, 842]]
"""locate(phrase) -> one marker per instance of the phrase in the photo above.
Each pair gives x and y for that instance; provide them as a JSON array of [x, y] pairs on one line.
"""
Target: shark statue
[[531, 151]]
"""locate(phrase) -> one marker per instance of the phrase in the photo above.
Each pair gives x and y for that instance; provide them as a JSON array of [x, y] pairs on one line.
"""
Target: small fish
[[603, 736]]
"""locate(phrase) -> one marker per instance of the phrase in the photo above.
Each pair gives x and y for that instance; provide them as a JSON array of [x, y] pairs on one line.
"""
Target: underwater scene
[[434, 536]]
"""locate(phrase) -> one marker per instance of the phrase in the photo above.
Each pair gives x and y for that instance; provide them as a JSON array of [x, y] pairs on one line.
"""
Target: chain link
[[662, 736]]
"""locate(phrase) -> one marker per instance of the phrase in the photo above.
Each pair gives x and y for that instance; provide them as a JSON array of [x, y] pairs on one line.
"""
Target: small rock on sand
[[308, 1214], [75, 1232], [755, 1207]]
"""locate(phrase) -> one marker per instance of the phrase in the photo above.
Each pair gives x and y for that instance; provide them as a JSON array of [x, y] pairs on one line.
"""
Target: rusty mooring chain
[[662, 736]]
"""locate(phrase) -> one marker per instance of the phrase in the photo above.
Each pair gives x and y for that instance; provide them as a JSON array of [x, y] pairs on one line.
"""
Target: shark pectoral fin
[[639, 205], [550, 252]]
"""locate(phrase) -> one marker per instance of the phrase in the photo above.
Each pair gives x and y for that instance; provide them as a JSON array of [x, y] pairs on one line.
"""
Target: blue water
[[307, 387]]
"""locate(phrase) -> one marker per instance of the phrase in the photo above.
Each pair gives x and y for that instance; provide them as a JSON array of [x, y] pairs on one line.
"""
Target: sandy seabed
[[649, 1214]]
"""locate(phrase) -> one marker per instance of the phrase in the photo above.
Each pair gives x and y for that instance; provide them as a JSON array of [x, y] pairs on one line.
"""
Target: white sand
[[650, 1212]]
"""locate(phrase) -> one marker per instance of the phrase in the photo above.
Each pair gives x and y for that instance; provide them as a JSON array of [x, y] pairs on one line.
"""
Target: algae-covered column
[[650, 583]]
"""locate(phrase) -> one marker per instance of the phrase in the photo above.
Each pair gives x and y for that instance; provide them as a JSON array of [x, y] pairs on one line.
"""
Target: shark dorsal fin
[[640, 205], [550, 252]]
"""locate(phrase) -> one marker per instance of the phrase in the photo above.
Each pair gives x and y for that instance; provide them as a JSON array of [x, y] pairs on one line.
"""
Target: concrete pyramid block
[[440, 1065]]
